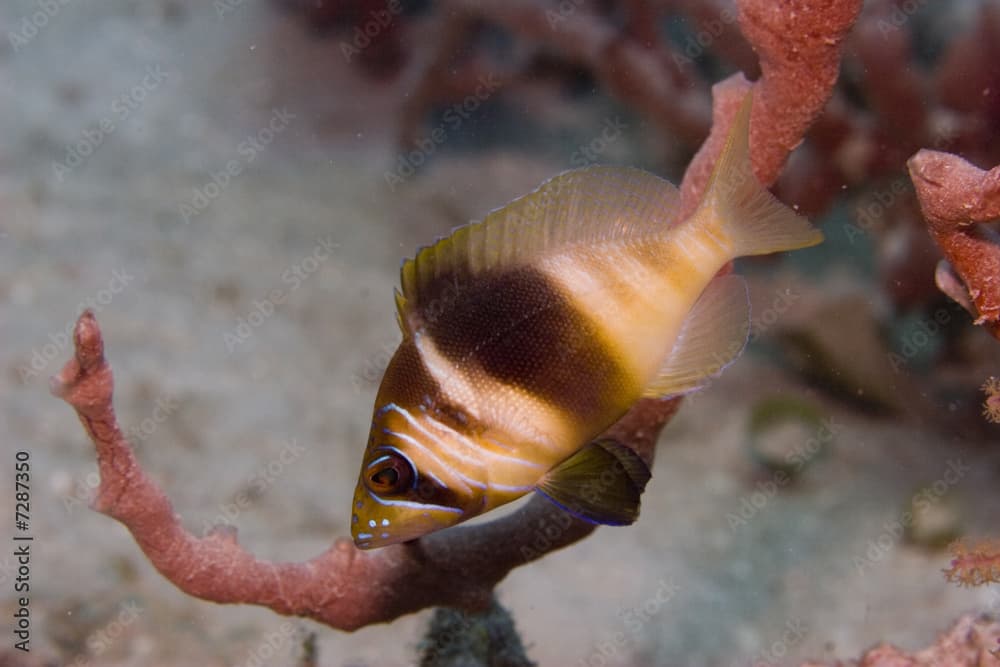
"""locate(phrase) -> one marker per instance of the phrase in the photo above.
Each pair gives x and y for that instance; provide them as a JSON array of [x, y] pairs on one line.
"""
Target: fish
[[529, 333]]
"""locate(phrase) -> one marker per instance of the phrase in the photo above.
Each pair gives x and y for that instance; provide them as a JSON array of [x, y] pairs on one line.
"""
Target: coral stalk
[[645, 76], [799, 47], [343, 587], [956, 197], [991, 406], [968, 643]]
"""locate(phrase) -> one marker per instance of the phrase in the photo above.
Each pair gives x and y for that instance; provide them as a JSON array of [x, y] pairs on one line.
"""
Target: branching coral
[[956, 198], [991, 406], [799, 48], [967, 644], [346, 588], [635, 67], [974, 565], [798, 44]]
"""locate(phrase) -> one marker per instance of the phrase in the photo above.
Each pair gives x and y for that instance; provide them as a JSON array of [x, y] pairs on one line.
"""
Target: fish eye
[[389, 474]]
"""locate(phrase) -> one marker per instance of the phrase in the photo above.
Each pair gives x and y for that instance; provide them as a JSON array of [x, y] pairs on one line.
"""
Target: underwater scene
[[500, 333]]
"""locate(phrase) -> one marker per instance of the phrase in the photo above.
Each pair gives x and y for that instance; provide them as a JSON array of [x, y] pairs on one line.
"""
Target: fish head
[[419, 473], [406, 489]]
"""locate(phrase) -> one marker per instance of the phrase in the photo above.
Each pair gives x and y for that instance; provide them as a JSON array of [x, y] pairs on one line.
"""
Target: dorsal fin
[[589, 205]]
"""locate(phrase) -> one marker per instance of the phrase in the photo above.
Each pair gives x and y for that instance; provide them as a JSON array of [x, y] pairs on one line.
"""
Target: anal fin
[[712, 337], [601, 483]]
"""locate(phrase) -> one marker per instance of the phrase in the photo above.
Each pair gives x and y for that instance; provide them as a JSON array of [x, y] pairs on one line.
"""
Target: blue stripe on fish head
[[418, 476]]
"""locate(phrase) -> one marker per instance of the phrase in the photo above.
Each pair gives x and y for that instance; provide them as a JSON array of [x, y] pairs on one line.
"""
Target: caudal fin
[[753, 220]]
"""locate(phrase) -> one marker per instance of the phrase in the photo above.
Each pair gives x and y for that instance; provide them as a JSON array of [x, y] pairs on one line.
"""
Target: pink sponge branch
[[799, 44], [956, 197], [343, 587]]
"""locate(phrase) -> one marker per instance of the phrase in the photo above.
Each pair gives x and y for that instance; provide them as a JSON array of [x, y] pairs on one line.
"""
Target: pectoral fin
[[601, 483], [713, 336]]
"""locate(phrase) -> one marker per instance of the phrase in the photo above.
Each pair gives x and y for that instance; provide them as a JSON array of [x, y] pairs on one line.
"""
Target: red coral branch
[[714, 21], [799, 48], [956, 197], [974, 565], [893, 86], [967, 643], [343, 587]]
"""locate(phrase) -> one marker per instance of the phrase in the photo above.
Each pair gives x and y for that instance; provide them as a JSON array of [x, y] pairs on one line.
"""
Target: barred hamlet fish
[[528, 334]]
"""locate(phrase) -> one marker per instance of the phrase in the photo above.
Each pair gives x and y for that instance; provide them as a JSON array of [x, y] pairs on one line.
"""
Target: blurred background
[[232, 185]]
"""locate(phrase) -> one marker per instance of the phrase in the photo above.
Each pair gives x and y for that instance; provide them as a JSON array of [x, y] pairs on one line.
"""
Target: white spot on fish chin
[[354, 518], [371, 522], [385, 536], [385, 522]]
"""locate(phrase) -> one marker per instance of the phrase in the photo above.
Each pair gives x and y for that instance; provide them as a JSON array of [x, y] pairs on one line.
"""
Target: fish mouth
[[376, 522], [364, 531]]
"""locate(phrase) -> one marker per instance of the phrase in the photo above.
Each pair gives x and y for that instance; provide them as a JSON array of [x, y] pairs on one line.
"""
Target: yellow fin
[[584, 206], [601, 483], [712, 337], [752, 218]]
